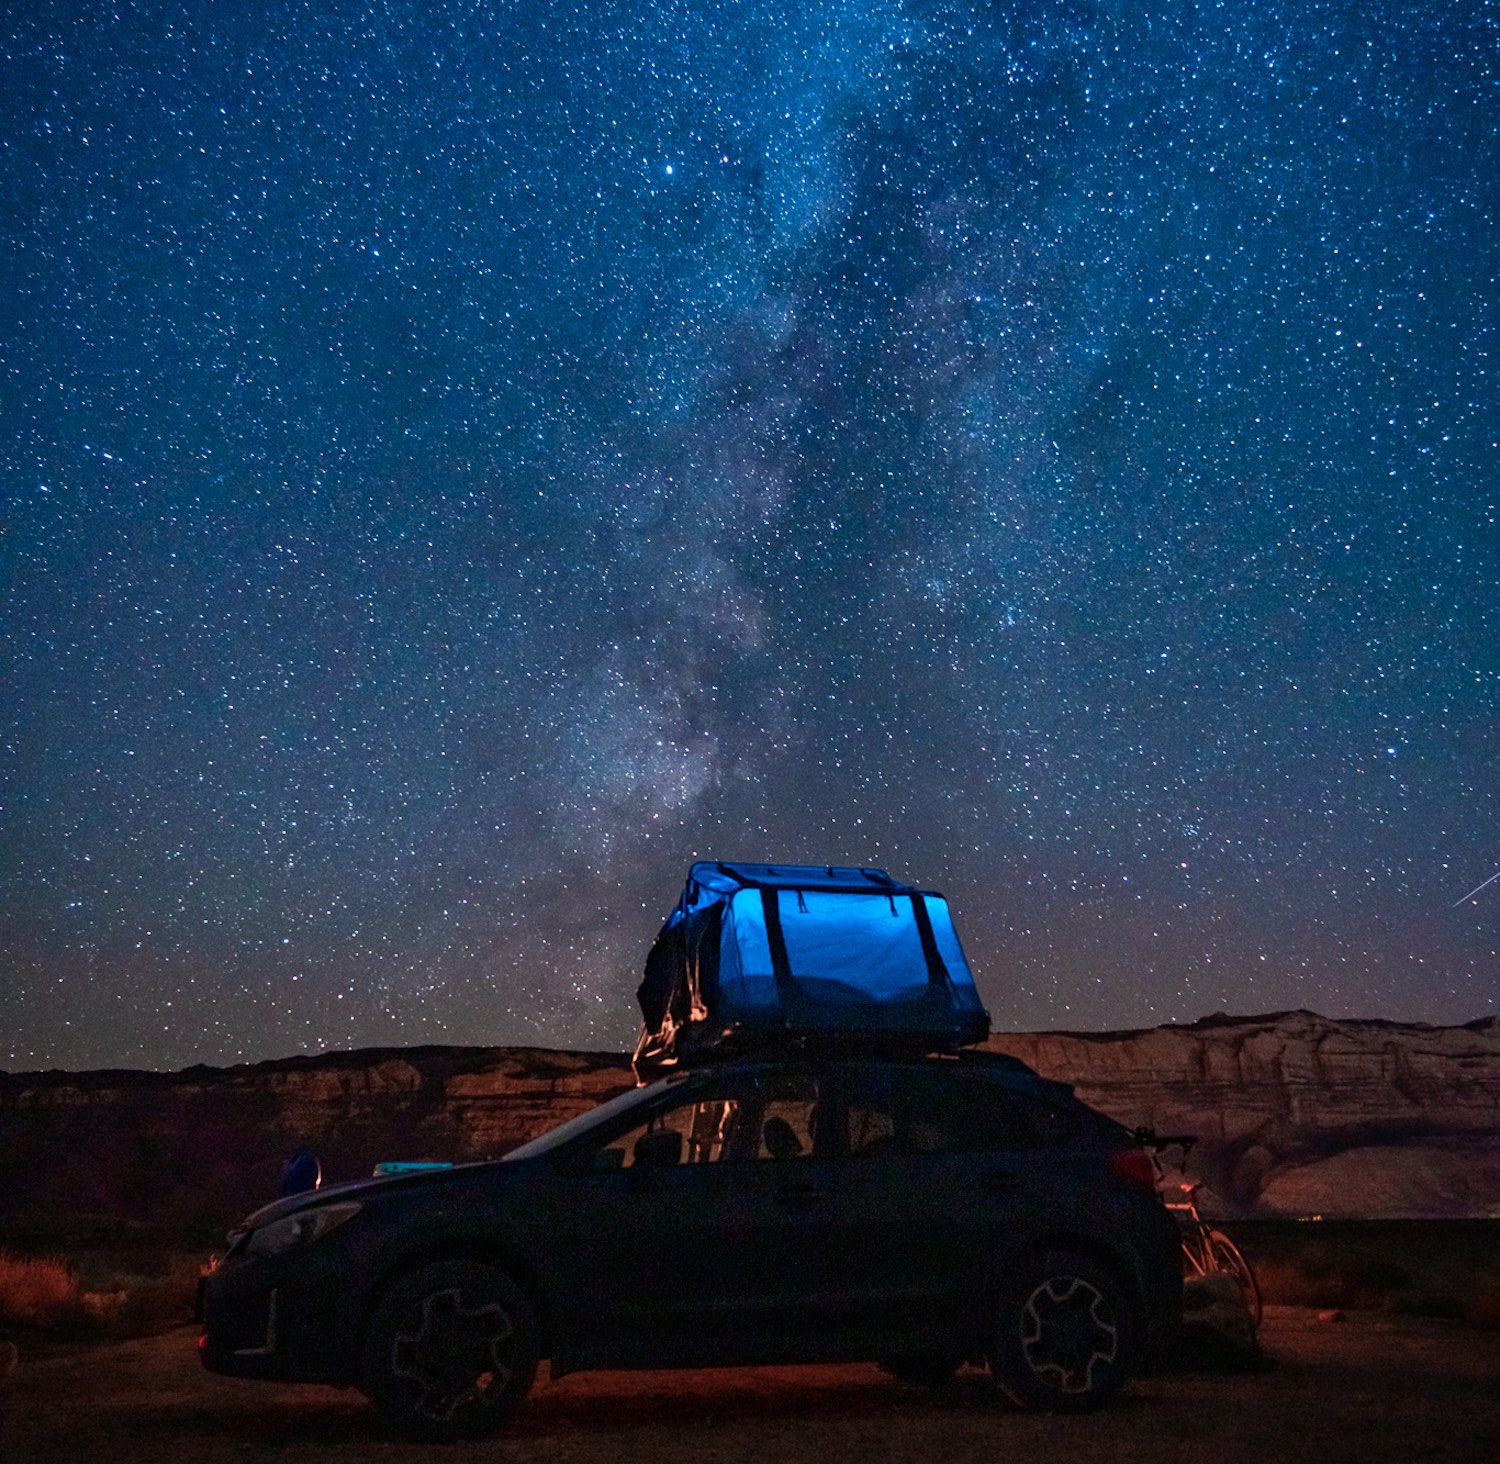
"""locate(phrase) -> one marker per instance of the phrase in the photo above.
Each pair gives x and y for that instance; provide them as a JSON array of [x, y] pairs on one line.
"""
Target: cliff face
[[197, 1149], [1296, 1114]]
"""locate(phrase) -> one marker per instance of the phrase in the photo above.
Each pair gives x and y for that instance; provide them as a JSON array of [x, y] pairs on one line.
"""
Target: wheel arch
[[460, 1246], [1098, 1251]]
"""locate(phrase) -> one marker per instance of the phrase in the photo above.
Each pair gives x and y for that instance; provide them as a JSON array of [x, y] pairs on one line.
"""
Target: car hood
[[362, 1189]]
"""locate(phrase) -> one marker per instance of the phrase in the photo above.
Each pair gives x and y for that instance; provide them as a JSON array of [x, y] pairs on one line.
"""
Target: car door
[[701, 1248], [933, 1179]]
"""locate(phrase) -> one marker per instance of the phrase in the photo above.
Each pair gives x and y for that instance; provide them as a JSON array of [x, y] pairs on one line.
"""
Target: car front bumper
[[263, 1317]]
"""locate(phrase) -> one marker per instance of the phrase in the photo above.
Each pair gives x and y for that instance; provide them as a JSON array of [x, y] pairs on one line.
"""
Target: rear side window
[[910, 1111], [786, 1124]]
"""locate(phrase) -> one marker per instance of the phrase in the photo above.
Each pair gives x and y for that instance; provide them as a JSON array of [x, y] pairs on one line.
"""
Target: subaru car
[[921, 1212]]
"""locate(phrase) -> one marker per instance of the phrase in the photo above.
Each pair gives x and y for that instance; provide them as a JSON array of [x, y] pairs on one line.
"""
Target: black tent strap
[[937, 972], [781, 967]]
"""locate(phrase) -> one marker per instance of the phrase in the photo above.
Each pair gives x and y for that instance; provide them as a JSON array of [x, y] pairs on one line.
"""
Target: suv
[[916, 1211]]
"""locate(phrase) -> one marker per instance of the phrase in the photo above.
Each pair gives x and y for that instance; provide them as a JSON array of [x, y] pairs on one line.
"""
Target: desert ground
[[1372, 1388]]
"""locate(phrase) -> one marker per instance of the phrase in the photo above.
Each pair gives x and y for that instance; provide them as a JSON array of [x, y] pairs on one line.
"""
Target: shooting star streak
[[1476, 890]]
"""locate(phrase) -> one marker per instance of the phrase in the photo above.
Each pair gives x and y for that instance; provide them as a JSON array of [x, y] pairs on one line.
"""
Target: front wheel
[[1225, 1256], [1065, 1334], [450, 1351]]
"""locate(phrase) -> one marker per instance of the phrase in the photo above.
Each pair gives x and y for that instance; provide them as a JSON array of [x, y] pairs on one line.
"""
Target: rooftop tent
[[756, 951]]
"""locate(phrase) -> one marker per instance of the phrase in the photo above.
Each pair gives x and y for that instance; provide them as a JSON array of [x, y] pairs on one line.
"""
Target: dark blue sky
[[464, 461]]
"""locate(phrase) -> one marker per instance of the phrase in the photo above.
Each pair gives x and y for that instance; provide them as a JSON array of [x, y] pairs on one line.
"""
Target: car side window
[[788, 1117], [902, 1111], [699, 1132]]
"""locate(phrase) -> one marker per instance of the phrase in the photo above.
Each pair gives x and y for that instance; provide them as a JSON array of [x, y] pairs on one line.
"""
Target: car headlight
[[299, 1229]]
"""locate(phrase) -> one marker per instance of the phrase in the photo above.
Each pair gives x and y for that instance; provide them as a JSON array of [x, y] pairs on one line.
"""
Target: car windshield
[[621, 1103]]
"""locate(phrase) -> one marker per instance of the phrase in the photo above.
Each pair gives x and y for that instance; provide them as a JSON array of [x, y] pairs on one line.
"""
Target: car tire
[[1065, 1333], [450, 1351]]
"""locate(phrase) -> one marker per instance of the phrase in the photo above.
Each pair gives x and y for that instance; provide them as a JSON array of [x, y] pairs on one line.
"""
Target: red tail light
[[1134, 1165]]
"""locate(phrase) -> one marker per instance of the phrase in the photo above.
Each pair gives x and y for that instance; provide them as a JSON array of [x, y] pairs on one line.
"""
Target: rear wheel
[[1225, 1256], [450, 1351], [1064, 1335]]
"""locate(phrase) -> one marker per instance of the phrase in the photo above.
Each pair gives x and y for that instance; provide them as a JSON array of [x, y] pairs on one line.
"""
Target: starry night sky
[[464, 461]]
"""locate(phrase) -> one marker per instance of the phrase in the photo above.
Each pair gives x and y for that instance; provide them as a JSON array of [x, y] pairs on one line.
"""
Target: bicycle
[[1205, 1250]]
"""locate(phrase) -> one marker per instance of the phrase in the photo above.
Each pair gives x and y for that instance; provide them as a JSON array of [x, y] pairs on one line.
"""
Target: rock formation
[[1296, 1114], [190, 1152]]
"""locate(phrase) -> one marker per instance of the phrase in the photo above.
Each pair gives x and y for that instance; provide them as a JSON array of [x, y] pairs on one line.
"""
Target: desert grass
[[1361, 1284], [1446, 1269], [48, 1293]]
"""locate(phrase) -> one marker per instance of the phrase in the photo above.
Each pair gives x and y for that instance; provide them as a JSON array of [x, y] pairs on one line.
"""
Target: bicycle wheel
[[1226, 1257]]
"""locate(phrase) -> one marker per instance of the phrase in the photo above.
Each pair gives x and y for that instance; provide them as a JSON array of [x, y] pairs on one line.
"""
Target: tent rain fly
[[756, 951]]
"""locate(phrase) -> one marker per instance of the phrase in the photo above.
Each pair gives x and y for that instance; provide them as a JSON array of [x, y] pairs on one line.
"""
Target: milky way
[[465, 461]]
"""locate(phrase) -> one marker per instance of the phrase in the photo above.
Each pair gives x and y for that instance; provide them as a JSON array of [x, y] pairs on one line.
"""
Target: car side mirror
[[659, 1149]]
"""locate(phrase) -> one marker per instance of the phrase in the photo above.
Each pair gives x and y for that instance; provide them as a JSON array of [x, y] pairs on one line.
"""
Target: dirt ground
[[1373, 1389]]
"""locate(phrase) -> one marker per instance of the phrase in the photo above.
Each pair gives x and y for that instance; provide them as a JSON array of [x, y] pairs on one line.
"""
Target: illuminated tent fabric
[[756, 951]]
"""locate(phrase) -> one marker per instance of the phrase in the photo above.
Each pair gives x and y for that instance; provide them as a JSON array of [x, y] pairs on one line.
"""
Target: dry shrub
[[42, 1291], [47, 1293]]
